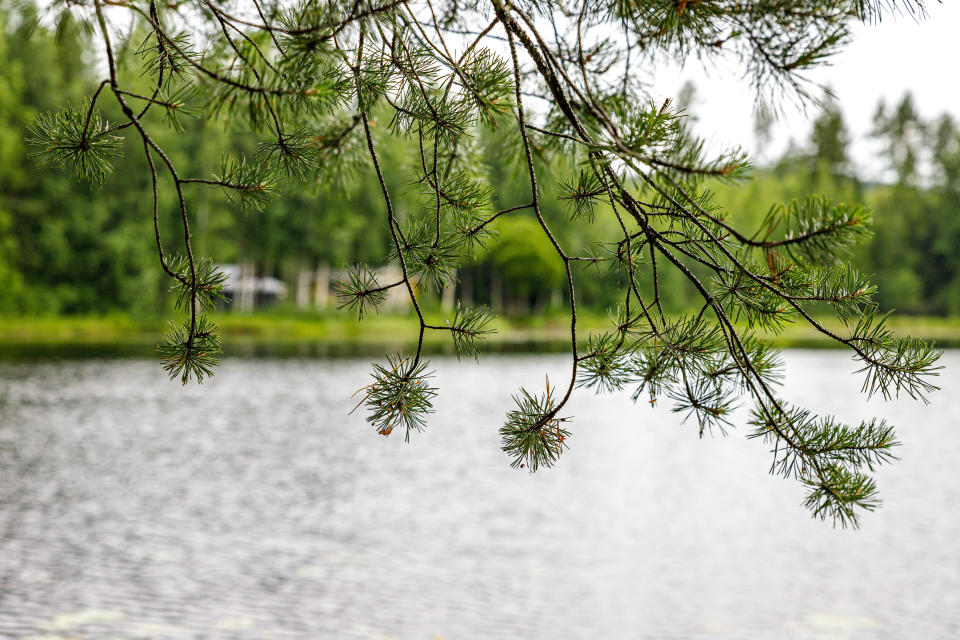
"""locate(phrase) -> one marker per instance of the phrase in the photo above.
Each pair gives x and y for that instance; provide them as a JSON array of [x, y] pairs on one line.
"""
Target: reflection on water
[[255, 507], [234, 347]]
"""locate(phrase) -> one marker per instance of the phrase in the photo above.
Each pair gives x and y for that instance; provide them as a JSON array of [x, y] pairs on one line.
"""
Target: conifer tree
[[322, 82], [830, 141]]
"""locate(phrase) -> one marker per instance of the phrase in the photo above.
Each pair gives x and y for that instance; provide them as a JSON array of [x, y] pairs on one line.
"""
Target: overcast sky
[[882, 61]]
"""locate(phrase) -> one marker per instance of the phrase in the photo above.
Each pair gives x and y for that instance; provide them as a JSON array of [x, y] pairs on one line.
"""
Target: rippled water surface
[[256, 507]]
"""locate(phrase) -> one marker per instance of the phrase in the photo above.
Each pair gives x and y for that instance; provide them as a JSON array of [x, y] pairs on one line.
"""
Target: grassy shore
[[297, 333]]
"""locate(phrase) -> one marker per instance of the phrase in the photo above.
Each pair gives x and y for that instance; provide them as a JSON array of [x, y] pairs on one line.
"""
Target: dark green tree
[[903, 133], [45, 214], [913, 249], [830, 141], [323, 84]]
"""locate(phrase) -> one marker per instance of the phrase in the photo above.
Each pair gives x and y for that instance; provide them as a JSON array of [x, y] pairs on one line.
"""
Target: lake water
[[256, 507]]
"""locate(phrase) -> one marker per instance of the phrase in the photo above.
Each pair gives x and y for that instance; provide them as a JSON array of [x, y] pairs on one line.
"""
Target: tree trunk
[[448, 295], [466, 288], [496, 292], [247, 285], [321, 288], [303, 286]]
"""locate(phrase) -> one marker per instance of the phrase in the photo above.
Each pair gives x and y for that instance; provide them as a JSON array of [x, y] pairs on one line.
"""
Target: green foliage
[[605, 365], [360, 291], [191, 349], [826, 455], [201, 280], [893, 364], [469, 326], [815, 229], [489, 84], [463, 194], [249, 185], [168, 58], [838, 492], [400, 395], [293, 155], [532, 435], [78, 138], [582, 195], [524, 256], [432, 259]]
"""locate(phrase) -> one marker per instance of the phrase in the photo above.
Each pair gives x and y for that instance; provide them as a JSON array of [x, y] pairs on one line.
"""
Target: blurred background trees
[[65, 249]]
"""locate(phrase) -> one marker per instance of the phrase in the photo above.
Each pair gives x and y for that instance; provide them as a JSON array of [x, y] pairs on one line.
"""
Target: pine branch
[[308, 76]]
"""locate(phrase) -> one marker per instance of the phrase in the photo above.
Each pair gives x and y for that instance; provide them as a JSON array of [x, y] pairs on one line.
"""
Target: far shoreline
[[287, 333]]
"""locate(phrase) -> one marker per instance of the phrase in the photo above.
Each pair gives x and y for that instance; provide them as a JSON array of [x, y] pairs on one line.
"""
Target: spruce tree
[[323, 82]]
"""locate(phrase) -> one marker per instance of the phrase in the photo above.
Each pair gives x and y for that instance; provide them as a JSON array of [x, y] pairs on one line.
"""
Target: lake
[[256, 506]]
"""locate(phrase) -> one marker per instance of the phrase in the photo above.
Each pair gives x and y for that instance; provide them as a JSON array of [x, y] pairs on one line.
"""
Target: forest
[[68, 248]]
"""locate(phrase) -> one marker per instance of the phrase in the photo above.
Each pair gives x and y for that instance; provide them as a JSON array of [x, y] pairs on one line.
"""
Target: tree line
[[67, 247]]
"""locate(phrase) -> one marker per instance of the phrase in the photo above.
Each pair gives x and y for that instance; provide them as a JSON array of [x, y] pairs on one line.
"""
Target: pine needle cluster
[[400, 396], [76, 137], [533, 436]]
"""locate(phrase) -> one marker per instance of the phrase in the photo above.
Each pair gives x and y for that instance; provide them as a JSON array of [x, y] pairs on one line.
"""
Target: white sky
[[882, 61]]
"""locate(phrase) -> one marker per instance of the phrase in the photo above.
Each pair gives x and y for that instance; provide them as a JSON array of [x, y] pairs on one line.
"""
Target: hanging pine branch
[[314, 78]]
